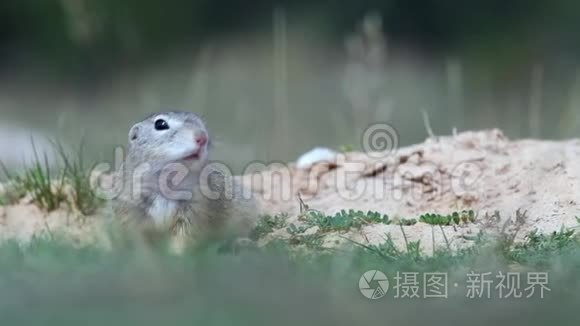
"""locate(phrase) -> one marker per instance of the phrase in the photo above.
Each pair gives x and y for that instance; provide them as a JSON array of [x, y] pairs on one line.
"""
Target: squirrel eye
[[161, 125]]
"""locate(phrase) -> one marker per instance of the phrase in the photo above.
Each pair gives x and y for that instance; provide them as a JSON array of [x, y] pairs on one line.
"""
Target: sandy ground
[[524, 184], [482, 171]]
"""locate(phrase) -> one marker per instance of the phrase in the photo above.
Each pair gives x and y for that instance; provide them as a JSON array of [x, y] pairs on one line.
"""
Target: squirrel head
[[169, 137]]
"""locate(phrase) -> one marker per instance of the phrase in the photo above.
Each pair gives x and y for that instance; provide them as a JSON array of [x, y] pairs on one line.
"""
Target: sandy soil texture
[[521, 184]]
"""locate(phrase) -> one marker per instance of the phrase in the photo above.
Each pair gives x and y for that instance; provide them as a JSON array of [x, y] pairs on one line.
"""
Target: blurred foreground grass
[[286, 282], [52, 282]]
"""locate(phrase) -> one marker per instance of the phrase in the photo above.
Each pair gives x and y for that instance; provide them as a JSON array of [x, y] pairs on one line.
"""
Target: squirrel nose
[[201, 139]]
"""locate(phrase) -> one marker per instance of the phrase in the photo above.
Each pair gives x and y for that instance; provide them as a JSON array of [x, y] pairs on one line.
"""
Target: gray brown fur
[[230, 211]]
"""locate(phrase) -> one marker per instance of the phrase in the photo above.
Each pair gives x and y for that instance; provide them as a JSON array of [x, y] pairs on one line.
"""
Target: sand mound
[[480, 171], [525, 184]]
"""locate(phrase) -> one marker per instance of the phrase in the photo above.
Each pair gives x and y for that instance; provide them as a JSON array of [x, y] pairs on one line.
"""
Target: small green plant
[[13, 190], [13, 195], [344, 220], [345, 148], [414, 249], [297, 237], [46, 190], [407, 222], [539, 248], [389, 252], [83, 196], [267, 224], [292, 229], [388, 249], [311, 241], [455, 218]]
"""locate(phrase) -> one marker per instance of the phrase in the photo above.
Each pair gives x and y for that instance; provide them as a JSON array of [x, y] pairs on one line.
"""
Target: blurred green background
[[275, 78]]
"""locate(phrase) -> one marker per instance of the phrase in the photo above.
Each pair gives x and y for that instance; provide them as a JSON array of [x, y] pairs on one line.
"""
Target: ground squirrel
[[168, 183]]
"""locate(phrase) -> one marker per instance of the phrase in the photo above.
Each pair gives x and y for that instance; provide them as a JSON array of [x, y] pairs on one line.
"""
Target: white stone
[[316, 155]]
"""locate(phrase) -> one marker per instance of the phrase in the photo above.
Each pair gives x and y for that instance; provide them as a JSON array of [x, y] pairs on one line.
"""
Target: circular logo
[[380, 140], [373, 284]]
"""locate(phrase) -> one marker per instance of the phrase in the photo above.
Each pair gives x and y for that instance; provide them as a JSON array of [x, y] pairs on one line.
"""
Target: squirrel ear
[[133, 133]]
